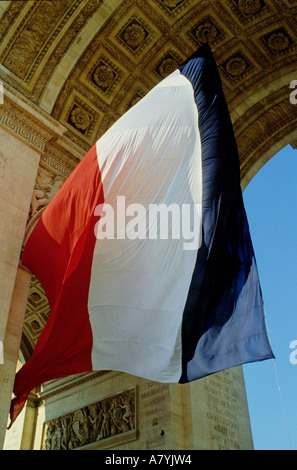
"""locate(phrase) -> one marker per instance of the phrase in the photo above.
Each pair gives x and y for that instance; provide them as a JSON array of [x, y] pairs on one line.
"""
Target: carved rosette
[[79, 118], [278, 41], [134, 34], [172, 4], [103, 76], [206, 32], [249, 7], [167, 65], [236, 66]]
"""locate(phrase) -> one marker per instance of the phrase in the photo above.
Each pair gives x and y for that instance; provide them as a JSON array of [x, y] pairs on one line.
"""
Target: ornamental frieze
[[111, 420]]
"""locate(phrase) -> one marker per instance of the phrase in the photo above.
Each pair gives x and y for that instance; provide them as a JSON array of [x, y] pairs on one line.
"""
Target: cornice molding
[[26, 121], [58, 386]]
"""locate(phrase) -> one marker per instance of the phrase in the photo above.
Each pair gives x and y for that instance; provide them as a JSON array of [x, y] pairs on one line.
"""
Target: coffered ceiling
[[86, 62]]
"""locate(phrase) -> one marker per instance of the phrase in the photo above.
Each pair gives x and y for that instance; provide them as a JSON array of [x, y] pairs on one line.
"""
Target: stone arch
[[95, 59], [264, 122]]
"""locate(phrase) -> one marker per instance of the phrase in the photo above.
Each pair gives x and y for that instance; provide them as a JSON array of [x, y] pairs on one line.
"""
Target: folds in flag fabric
[[145, 253]]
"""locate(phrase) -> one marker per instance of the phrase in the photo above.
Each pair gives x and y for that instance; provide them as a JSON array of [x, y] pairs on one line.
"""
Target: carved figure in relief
[[92, 423], [99, 422], [128, 415], [46, 186], [56, 437], [106, 424], [49, 435], [80, 426], [65, 422]]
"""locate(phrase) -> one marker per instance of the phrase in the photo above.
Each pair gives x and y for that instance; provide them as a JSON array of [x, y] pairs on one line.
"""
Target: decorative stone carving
[[46, 186], [61, 157], [26, 51], [250, 7], [54, 57], [37, 313], [205, 32], [103, 76], [34, 297], [35, 325], [167, 65], [96, 422], [80, 118], [236, 66], [134, 34], [278, 40], [137, 97], [172, 4]]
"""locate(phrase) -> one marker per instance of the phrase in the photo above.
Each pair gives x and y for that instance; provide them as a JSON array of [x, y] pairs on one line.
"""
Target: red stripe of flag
[[63, 242]]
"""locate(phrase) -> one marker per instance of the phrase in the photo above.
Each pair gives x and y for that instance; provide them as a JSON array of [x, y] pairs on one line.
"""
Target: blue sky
[[271, 205]]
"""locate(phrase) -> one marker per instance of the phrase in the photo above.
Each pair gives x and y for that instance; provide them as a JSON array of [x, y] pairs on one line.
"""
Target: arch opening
[[271, 202]]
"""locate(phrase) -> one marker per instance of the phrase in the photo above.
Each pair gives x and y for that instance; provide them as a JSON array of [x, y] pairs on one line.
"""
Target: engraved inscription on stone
[[96, 422], [222, 411], [155, 412], [154, 399]]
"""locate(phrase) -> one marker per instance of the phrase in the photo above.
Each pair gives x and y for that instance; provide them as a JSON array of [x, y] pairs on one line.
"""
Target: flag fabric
[[145, 253]]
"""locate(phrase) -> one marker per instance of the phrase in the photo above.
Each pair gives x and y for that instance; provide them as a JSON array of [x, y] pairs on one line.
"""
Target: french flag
[[125, 296]]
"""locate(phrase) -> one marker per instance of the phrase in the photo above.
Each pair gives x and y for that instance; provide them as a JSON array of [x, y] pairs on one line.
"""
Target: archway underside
[[86, 62]]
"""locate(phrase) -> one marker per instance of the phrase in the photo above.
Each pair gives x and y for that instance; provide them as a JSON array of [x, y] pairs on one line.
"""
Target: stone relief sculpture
[[95, 422], [46, 186]]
